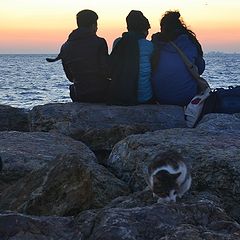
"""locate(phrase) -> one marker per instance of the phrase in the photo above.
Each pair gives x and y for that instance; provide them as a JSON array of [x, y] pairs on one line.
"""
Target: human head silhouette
[[137, 22], [171, 22], [172, 25], [87, 18]]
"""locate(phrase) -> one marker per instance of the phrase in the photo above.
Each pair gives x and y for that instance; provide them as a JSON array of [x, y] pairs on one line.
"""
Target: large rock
[[15, 226], [145, 198], [213, 156], [220, 122], [66, 186], [196, 221], [22, 152], [13, 119], [101, 126]]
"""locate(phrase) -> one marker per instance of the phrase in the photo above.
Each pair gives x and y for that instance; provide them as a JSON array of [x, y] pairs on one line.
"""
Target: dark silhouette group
[[137, 71]]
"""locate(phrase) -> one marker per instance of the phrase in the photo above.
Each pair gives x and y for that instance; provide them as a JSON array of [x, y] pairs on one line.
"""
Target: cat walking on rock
[[168, 176]]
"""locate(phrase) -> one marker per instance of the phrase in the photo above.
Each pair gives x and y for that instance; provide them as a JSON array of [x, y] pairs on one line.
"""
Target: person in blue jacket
[[130, 63], [172, 82]]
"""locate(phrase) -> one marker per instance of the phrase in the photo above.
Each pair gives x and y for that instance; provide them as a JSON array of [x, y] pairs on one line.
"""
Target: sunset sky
[[41, 26]]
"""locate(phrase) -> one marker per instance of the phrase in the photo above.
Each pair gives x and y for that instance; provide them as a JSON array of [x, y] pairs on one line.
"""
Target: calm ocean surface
[[28, 80]]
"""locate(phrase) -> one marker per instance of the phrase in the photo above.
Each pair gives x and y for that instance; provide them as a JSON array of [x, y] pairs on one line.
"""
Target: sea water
[[29, 80]]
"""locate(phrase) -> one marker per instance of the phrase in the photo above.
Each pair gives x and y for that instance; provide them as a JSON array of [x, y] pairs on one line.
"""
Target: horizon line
[[207, 52]]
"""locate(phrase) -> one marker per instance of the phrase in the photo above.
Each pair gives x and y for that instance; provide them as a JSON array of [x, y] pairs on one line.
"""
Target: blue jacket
[[144, 81], [144, 86], [172, 82]]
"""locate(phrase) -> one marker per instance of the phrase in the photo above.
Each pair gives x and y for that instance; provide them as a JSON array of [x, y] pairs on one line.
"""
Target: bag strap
[[202, 83], [191, 67]]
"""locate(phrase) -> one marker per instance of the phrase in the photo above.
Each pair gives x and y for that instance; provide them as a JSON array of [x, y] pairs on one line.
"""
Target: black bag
[[223, 101], [227, 100]]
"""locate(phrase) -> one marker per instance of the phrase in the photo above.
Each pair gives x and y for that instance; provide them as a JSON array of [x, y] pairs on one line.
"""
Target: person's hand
[[50, 59], [53, 59]]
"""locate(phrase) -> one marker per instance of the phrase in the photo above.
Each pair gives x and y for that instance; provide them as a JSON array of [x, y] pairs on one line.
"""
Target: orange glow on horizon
[[43, 26], [50, 41]]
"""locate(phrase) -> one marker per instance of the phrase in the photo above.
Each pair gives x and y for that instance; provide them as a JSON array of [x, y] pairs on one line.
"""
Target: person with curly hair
[[172, 82]]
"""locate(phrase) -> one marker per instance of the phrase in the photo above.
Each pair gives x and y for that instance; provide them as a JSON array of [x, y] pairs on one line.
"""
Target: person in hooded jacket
[[130, 64], [85, 60], [172, 82]]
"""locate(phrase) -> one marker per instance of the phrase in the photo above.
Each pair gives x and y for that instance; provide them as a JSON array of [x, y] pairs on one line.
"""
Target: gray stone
[[101, 126], [220, 122], [199, 219], [13, 119], [70, 184], [196, 221], [14, 226], [145, 198], [22, 152], [214, 159]]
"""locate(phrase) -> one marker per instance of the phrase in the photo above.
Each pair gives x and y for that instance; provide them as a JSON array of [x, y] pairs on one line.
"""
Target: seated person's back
[[172, 81], [130, 63], [84, 58]]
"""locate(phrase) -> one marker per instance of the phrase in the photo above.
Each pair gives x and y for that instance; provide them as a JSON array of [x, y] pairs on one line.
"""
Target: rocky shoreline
[[75, 171]]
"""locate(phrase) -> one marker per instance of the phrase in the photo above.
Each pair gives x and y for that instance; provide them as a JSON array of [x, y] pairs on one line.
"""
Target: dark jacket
[[84, 58], [172, 81], [130, 70]]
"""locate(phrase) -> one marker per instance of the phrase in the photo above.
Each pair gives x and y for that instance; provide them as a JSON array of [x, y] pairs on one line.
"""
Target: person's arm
[[67, 71], [103, 59], [200, 63], [66, 68], [116, 41]]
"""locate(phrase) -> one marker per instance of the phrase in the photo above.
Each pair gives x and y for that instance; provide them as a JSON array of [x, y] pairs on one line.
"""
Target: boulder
[[66, 186], [23, 152], [100, 126], [220, 122], [15, 226], [173, 221], [13, 119], [214, 158], [199, 219], [145, 198]]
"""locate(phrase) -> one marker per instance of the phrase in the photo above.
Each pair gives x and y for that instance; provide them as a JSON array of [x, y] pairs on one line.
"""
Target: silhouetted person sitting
[[130, 63], [84, 59], [172, 81]]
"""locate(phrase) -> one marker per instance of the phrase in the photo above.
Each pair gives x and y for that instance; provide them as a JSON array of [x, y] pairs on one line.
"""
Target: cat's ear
[[176, 175]]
